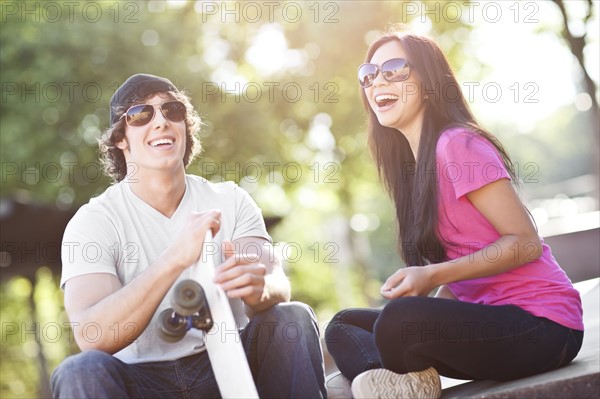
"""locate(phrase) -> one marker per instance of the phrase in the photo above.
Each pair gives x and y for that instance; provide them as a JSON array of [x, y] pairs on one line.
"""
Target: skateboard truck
[[190, 310], [194, 303]]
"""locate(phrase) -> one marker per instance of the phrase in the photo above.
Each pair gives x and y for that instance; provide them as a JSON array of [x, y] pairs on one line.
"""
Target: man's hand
[[187, 247], [241, 276], [409, 281]]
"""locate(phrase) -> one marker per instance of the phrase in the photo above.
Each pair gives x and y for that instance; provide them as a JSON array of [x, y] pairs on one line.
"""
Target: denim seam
[[182, 387]]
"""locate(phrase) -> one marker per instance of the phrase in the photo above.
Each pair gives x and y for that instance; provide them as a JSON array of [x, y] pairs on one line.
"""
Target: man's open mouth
[[161, 142]]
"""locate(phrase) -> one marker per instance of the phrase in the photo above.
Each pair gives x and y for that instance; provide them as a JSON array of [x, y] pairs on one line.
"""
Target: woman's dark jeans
[[460, 340]]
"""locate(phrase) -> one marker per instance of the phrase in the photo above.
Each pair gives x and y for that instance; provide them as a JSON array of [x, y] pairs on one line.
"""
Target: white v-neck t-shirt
[[120, 234]]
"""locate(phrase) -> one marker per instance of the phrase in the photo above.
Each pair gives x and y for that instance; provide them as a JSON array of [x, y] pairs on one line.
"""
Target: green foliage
[[34, 340]]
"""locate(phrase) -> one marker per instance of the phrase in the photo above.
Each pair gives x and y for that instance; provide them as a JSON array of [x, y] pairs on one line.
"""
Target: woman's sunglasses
[[394, 70], [142, 114]]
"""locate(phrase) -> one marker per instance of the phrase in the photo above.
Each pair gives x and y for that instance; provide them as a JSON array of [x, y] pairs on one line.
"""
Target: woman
[[504, 308]]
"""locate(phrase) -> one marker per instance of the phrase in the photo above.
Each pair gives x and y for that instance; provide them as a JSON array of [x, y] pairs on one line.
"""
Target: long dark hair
[[414, 187]]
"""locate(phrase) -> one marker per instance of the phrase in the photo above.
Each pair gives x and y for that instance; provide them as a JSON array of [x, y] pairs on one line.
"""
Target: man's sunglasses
[[394, 70], [142, 114]]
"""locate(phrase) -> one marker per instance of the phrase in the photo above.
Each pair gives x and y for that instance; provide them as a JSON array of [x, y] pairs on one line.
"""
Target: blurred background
[[275, 84]]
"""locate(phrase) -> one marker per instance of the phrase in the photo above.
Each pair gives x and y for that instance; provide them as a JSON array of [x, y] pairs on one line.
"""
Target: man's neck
[[162, 191]]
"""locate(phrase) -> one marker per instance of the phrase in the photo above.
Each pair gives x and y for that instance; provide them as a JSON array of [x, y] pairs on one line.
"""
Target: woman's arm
[[518, 244]]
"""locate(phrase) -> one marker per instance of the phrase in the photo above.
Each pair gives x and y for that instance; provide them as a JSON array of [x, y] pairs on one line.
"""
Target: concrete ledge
[[580, 379], [585, 386]]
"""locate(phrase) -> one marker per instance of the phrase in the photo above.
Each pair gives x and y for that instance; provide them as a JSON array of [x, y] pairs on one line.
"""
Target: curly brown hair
[[112, 157]]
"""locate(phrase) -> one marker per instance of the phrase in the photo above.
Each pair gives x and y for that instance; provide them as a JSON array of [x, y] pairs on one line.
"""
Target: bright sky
[[532, 73]]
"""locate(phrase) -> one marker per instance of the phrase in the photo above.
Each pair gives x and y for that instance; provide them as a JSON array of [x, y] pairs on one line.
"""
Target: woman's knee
[[356, 317], [401, 321], [332, 330]]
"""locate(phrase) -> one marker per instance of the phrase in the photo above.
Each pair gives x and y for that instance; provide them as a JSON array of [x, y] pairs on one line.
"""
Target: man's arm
[[255, 275], [107, 315]]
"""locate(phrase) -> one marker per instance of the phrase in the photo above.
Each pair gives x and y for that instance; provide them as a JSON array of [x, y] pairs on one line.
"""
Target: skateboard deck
[[222, 340]]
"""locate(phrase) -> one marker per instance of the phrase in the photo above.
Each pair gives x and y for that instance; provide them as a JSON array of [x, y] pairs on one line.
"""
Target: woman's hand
[[409, 281]]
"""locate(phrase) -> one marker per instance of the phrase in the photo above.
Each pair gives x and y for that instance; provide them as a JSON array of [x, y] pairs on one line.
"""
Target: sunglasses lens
[[139, 115], [173, 111], [142, 114], [395, 70], [367, 74]]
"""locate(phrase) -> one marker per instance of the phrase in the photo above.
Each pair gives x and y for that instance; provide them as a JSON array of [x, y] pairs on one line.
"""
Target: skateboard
[[199, 303]]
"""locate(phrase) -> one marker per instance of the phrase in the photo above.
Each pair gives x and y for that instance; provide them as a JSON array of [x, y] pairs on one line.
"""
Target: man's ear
[[123, 144]]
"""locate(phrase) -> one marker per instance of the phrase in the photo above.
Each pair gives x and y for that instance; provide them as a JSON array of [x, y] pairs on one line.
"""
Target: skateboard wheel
[[203, 321], [188, 297], [172, 327]]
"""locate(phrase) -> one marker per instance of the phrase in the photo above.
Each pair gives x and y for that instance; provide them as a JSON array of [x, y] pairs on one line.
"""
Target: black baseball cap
[[135, 88]]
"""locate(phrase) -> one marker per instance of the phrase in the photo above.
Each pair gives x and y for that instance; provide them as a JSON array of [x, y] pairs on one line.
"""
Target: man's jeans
[[282, 346]]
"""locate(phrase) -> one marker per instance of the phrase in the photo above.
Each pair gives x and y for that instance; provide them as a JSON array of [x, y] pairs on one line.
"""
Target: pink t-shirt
[[465, 163]]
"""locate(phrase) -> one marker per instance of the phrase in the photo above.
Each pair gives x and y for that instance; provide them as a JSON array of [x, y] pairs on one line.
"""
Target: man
[[124, 250]]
